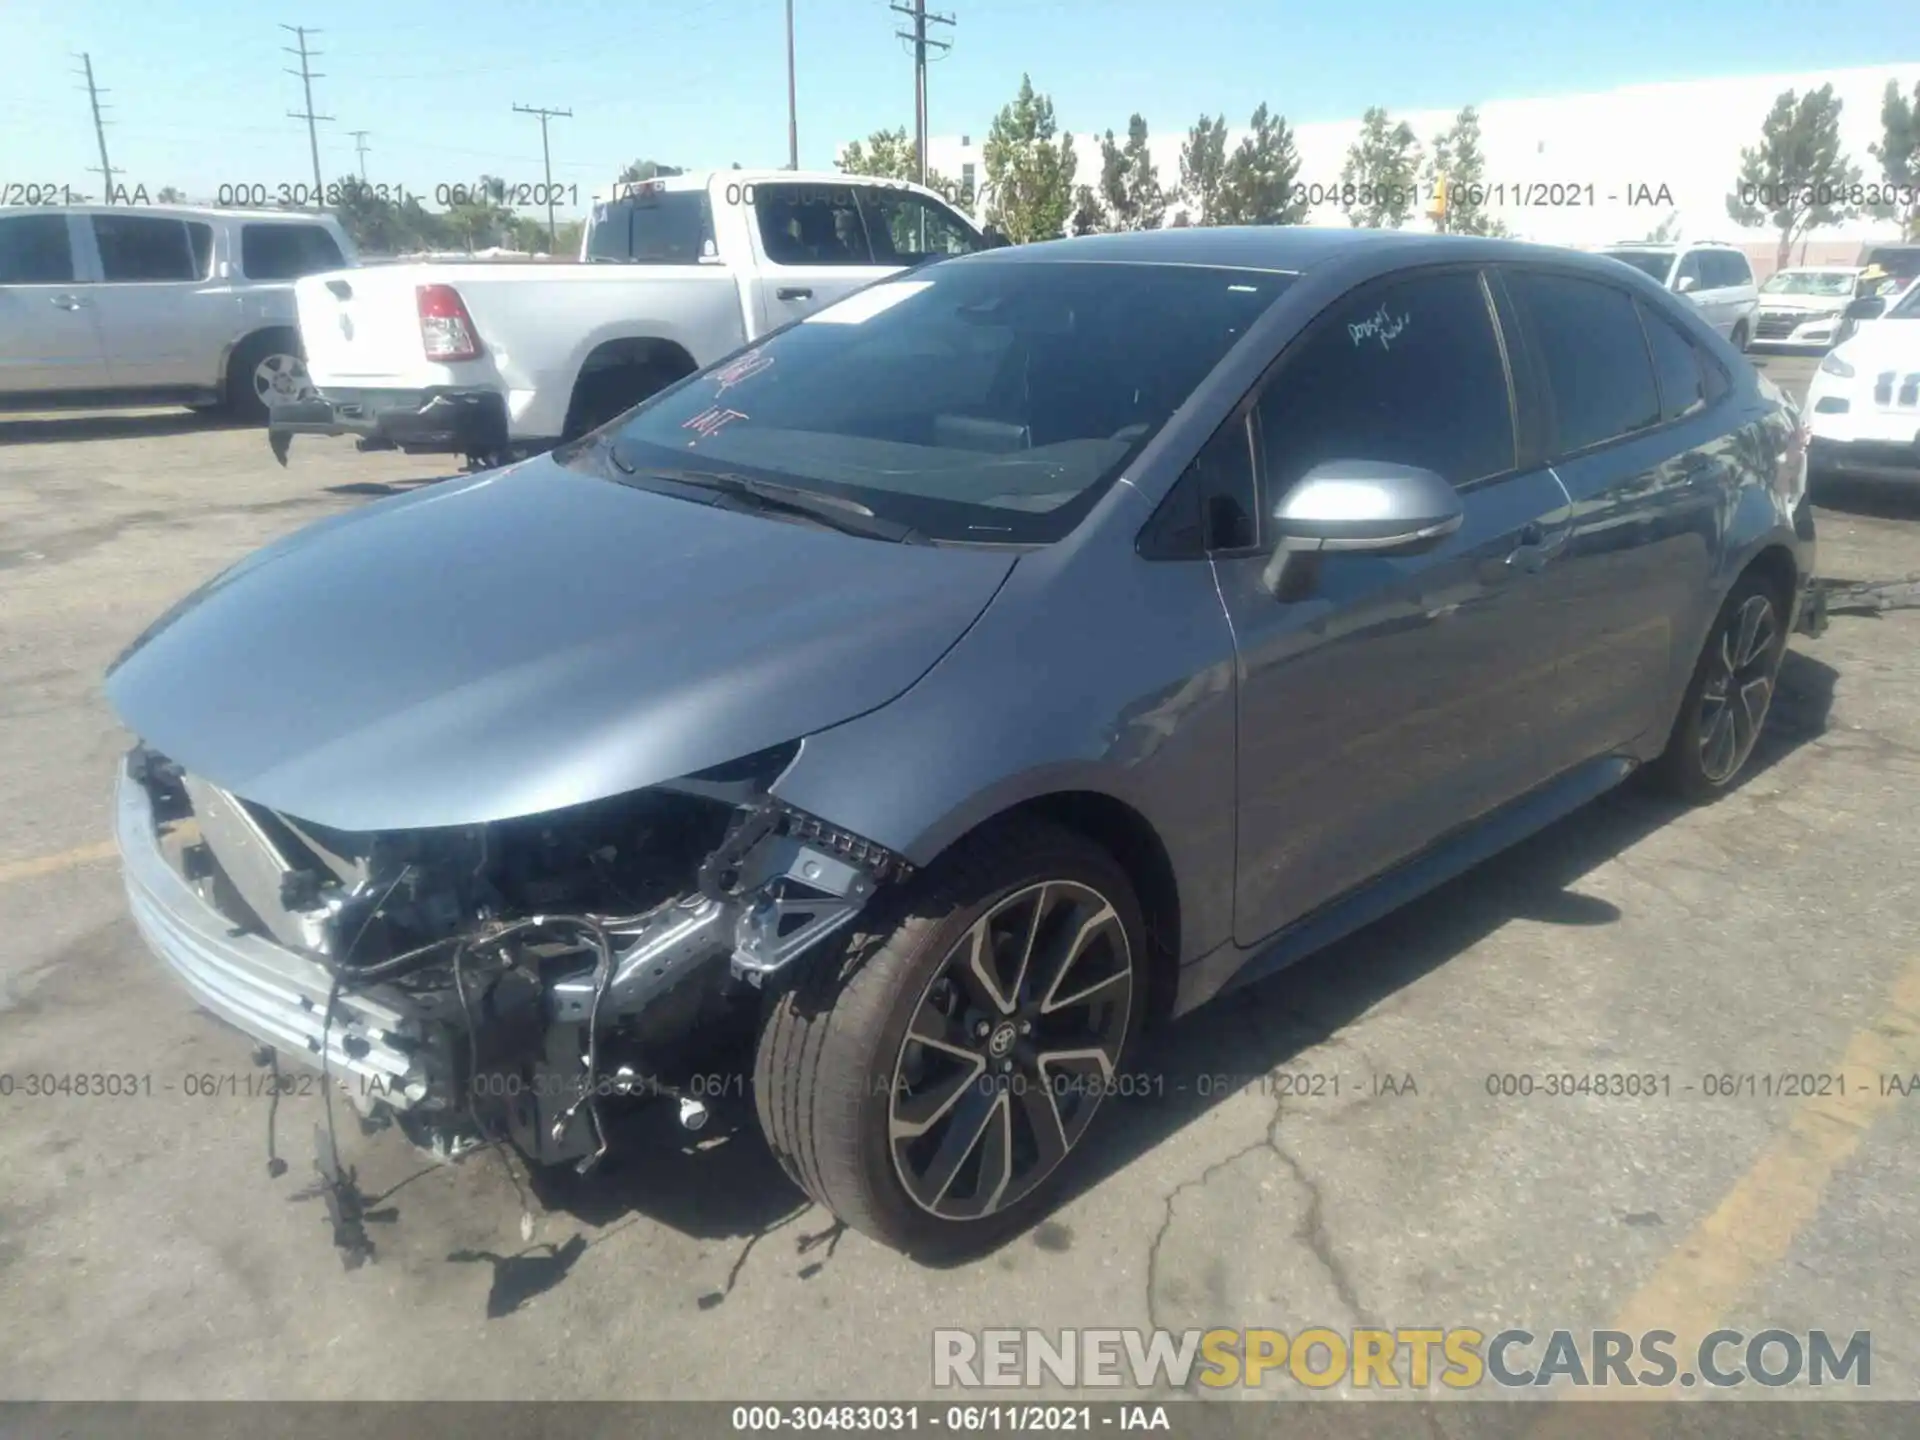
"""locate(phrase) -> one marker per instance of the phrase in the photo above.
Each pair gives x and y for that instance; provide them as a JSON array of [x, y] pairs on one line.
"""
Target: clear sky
[[200, 96]]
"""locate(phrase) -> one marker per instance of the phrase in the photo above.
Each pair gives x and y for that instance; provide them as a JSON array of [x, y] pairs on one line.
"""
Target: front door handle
[[1535, 549], [793, 292], [67, 302]]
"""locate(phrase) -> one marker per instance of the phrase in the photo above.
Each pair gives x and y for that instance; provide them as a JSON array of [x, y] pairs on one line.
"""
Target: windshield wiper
[[849, 516]]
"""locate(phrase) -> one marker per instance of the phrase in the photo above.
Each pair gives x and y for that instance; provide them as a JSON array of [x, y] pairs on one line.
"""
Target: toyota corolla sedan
[[1863, 404], [1022, 651]]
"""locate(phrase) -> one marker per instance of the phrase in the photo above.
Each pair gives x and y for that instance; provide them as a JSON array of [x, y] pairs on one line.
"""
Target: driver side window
[[1409, 372]]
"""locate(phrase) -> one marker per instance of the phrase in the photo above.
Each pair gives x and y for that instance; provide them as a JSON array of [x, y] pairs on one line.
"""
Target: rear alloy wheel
[[930, 1087], [1731, 693], [266, 373]]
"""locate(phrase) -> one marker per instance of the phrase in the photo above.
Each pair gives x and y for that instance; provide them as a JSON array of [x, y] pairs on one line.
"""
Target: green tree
[[1130, 195], [1203, 169], [1899, 155], [889, 155], [1457, 159], [1029, 174], [170, 196], [649, 170], [1667, 229], [1259, 183], [1383, 169], [1088, 217], [1795, 179], [480, 219]]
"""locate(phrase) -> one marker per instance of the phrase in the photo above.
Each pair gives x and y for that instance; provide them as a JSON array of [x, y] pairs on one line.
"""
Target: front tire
[[1729, 696], [931, 1082]]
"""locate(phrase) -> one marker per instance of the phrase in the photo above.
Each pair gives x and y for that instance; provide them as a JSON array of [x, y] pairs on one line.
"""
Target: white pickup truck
[[493, 359]]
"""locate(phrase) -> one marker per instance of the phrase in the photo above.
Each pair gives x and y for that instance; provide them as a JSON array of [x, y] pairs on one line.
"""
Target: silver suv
[[111, 305], [1713, 275]]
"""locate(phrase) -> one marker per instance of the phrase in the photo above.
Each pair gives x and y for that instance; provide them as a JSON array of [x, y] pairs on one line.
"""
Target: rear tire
[[925, 1084], [266, 370], [1730, 695], [604, 394]]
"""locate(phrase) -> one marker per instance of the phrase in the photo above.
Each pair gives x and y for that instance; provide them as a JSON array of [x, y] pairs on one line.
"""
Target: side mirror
[[1685, 284], [1367, 505], [1867, 307]]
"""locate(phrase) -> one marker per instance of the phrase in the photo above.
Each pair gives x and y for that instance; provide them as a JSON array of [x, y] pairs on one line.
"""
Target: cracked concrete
[[1271, 1178]]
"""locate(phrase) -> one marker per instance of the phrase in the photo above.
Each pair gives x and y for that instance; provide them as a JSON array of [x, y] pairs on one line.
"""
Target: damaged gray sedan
[[1023, 648]]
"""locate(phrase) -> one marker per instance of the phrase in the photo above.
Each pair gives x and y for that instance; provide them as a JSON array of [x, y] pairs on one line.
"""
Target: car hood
[[1883, 345], [528, 639], [1804, 304]]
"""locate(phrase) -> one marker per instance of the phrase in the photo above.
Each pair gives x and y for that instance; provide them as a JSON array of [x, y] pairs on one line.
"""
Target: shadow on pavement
[[1875, 499], [142, 425]]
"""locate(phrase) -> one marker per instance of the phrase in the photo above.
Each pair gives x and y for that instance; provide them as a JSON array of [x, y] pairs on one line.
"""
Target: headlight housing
[[1834, 365]]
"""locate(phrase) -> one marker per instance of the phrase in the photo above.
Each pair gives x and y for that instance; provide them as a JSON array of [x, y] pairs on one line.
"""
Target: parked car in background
[[1803, 307], [494, 360], [1015, 652], [156, 305], [1715, 277], [1863, 404]]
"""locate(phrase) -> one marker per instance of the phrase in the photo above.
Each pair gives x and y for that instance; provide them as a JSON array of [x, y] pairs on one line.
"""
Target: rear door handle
[[793, 292]]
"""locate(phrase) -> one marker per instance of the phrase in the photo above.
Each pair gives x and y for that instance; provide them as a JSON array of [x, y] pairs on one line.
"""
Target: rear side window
[[812, 225], [286, 252], [653, 227], [1589, 341], [143, 247], [1409, 372], [1679, 366], [34, 250]]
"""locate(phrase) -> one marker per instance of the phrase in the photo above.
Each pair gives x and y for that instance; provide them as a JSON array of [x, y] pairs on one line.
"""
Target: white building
[[1567, 169]]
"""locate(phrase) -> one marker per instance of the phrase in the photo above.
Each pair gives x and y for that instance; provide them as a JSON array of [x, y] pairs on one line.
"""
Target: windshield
[[1834, 283], [983, 401], [1649, 262], [653, 227], [1908, 308]]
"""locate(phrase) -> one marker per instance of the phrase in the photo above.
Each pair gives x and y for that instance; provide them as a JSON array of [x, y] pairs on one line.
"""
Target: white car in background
[[1713, 275], [1863, 405], [1802, 306], [103, 306]]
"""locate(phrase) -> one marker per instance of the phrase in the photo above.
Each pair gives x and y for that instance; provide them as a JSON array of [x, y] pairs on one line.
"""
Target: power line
[[307, 77], [94, 93], [360, 149], [546, 156], [917, 12]]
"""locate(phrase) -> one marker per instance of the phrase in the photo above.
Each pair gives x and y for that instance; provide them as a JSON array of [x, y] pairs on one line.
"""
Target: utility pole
[[546, 157], [94, 93], [917, 12], [793, 103], [360, 149], [307, 77]]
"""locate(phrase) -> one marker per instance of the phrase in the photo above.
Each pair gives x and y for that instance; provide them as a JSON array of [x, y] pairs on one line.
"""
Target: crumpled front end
[[501, 980]]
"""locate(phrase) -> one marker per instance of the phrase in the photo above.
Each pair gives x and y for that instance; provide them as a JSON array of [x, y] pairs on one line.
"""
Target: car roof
[[1287, 249], [178, 212]]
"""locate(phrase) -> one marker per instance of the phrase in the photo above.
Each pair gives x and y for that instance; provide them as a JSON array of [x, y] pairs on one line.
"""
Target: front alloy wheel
[[931, 1081], [1014, 1042]]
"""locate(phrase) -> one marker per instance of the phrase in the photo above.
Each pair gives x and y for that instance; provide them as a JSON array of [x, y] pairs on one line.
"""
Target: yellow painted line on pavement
[[54, 864], [1750, 1232]]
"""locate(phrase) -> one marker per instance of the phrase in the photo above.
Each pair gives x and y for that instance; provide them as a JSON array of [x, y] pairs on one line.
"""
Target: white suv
[[1714, 276], [104, 305]]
